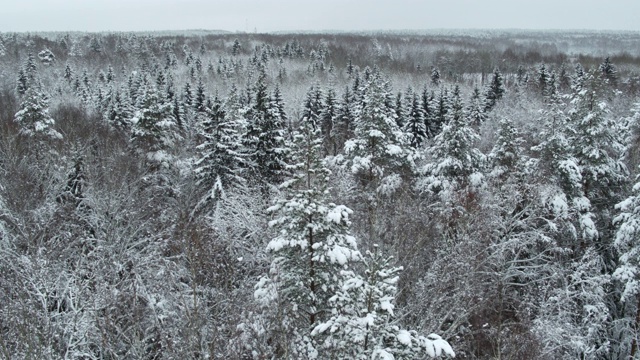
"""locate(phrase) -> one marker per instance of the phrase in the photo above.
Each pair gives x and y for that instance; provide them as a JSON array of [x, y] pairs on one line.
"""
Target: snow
[[404, 337], [560, 206], [386, 305], [393, 149]]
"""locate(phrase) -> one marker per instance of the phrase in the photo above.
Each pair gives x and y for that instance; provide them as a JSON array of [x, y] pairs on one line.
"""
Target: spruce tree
[[312, 107], [153, 124], [476, 110], [219, 167], [264, 138], [312, 247], [362, 323], [543, 79], [456, 162], [415, 127], [344, 123], [435, 76], [328, 116], [609, 71], [377, 154], [495, 91], [33, 117]]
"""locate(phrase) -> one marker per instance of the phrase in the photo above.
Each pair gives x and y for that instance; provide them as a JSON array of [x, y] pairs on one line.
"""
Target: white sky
[[275, 15]]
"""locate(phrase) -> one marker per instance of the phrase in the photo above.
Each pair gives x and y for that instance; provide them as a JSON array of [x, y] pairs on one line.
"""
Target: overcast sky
[[289, 15]]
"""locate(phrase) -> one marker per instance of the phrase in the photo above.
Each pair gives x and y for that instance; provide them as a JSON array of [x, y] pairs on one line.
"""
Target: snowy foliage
[[34, 119], [454, 157], [312, 246], [361, 324], [626, 242], [153, 126], [378, 148]]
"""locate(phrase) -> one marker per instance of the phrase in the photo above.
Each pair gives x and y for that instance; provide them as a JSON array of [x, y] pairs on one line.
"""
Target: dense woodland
[[206, 195]]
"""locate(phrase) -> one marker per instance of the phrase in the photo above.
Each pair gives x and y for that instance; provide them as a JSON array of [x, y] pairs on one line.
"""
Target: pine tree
[[578, 79], [117, 114], [73, 192], [401, 118], [626, 242], [235, 50], [30, 68], [312, 247], [521, 76], [187, 94], [110, 75], [46, 57]]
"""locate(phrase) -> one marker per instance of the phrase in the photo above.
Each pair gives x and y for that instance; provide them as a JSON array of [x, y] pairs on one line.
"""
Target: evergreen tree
[[578, 79], [264, 138], [117, 114], [377, 153], [235, 50], [543, 79], [435, 76], [441, 106], [219, 167], [30, 68], [429, 112], [328, 116], [187, 94], [609, 71], [46, 57], [22, 83], [456, 162], [33, 117], [312, 108], [521, 75], [415, 126], [362, 323], [476, 110], [199, 101], [597, 145], [153, 127], [76, 180], [506, 155], [495, 91], [344, 123], [626, 242], [312, 247], [401, 118]]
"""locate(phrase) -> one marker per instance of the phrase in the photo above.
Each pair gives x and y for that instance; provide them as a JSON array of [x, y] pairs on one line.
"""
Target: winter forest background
[[204, 195]]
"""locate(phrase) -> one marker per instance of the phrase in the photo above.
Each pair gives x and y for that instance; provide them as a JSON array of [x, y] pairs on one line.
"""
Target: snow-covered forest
[[201, 195]]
